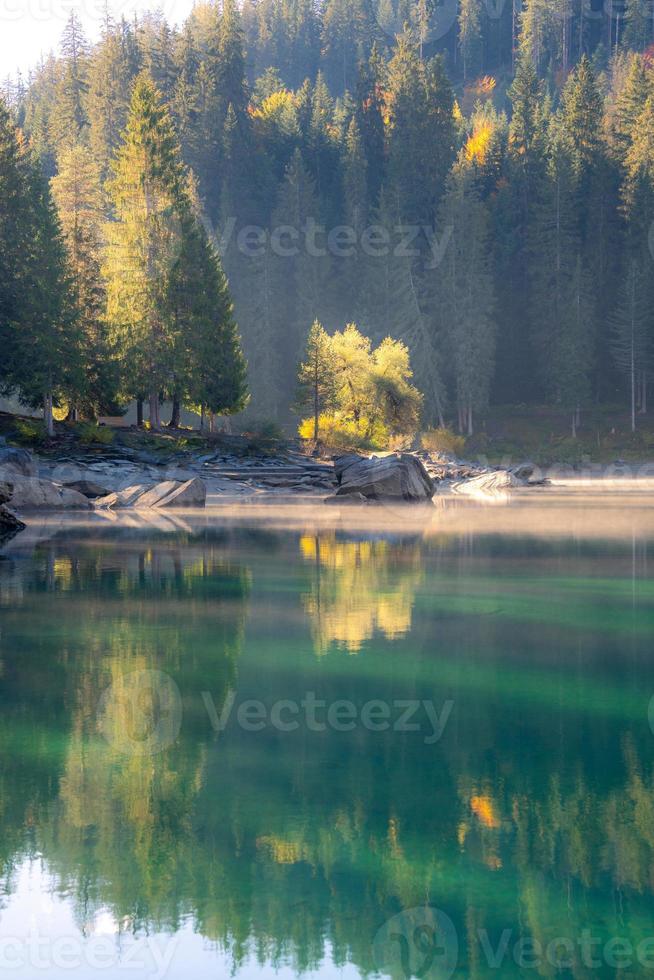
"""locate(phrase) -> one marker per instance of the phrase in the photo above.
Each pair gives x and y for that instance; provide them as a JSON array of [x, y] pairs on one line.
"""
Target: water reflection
[[359, 587], [533, 813]]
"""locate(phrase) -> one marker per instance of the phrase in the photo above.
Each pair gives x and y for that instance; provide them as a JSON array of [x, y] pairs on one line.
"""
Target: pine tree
[[631, 98], [68, 120], [561, 306], [539, 33], [370, 109], [421, 132], [109, 80], [81, 208], [465, 294], [210, 370], [38, 327], [13, 246], [637, 31], [317, 376], [470, 36], [148, 197], [631, 340], [581, 116]]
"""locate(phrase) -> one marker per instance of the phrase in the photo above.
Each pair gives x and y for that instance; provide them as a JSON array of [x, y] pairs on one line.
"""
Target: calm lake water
[[273, 748]]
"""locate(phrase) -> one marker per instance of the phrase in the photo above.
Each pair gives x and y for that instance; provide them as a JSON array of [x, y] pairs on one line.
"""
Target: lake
[[280, 742]]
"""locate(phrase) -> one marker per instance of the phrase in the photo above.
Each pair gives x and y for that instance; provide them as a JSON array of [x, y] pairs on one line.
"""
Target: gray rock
[[522, 470], [169, 493], [122, 498], [9, 523], [18, 460], [87, 488], [351, 498], [191, 493], [30, 493], [400, 476], [488, 484]]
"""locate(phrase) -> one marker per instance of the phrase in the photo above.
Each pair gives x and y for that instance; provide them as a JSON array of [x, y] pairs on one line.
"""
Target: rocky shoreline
[[112, 478]]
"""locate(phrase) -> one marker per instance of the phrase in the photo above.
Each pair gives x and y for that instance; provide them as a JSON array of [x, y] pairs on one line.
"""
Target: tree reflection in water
[[534, 812]]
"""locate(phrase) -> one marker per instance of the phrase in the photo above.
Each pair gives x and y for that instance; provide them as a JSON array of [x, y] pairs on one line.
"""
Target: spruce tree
[[81, 208], [38, 323], [148, 197], [465, 294], [420, 132], [631, 340]]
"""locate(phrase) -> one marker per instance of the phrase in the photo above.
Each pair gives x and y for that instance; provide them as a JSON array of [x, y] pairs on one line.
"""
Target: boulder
[[351, 498], [191, 493], [13, 460], [87, 488], [30, 493], [400, 476], [122, 498], [523, 471], [169, 493], [489, 484], [9, 523]]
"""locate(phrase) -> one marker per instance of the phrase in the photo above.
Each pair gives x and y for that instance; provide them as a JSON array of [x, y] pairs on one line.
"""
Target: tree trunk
[[174, 418], [202, 419], [633, 392], [211, 422], [469, 419], [574, 424], [155, 423], [139, 412], [47, 414], [315, 415]]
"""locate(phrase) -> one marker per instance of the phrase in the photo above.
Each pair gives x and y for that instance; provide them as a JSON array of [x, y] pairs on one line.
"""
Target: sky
[[32, 28]]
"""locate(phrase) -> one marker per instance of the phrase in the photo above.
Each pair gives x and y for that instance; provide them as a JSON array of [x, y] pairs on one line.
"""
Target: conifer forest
[[181, 206]]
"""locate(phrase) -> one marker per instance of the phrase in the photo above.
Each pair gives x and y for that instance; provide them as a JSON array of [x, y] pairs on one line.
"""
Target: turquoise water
[[227, 749]]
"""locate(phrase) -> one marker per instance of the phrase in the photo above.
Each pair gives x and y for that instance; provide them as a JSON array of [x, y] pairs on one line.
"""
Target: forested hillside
[[476, 180]]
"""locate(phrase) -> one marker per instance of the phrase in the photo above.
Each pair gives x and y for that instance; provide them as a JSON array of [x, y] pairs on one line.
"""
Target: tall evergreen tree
[[465, 295], [421, 132], [148, 196], [317, 376], [631, 341], [81, 208]]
